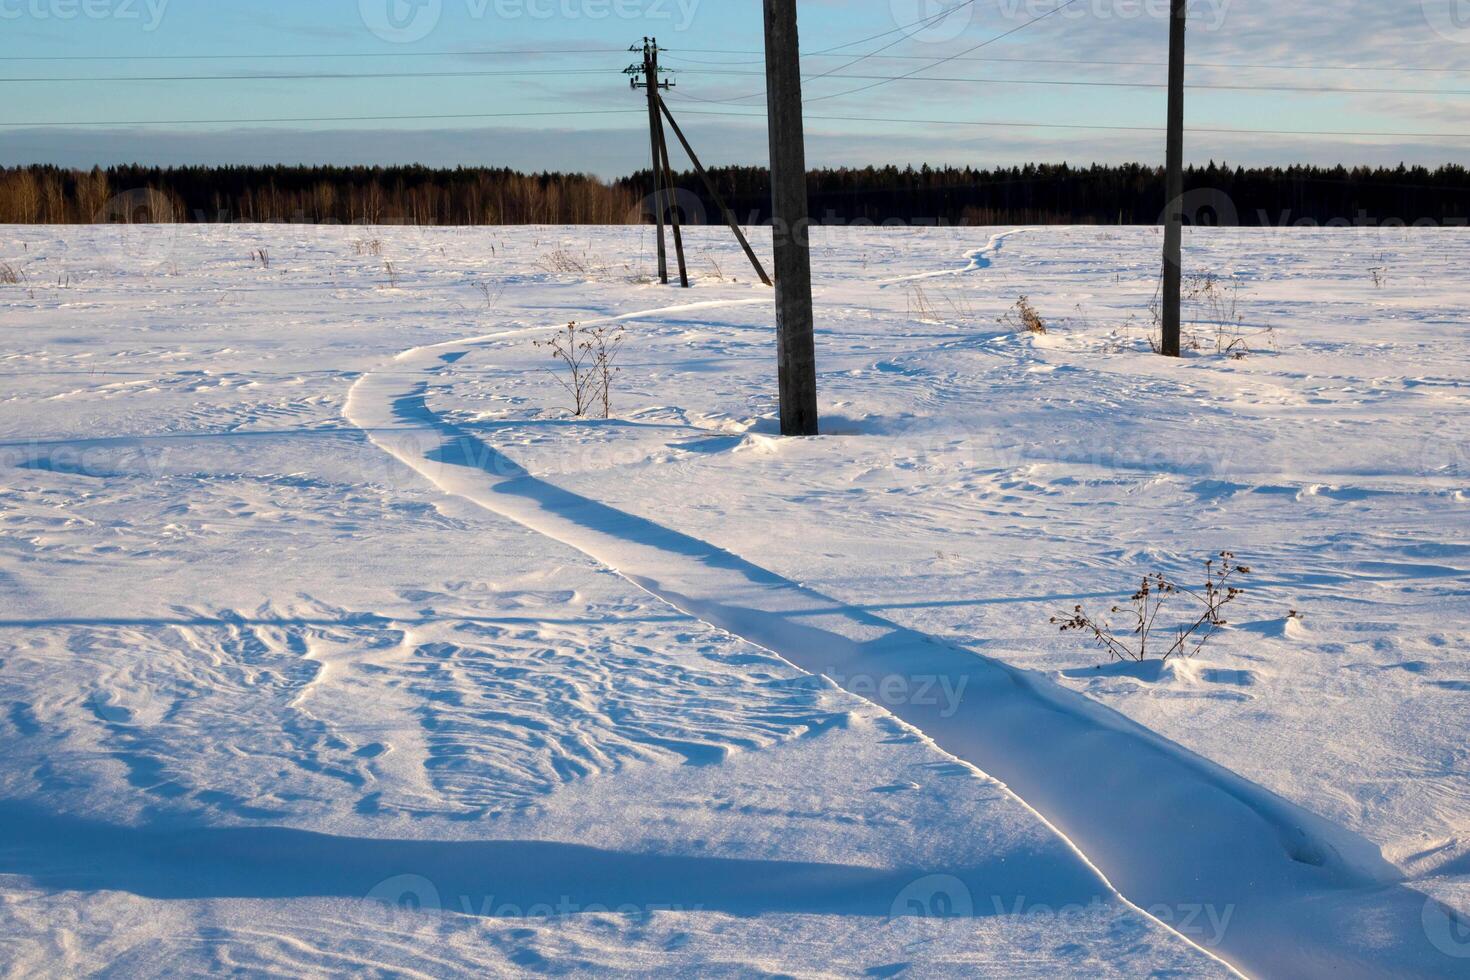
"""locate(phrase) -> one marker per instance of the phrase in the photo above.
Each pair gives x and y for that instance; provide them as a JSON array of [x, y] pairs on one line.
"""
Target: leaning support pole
[[709, 185], [796, 350], [1174, 185], [671, 200]]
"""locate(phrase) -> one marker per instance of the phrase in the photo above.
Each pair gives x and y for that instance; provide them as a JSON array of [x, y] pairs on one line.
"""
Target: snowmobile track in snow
[[1166, 828]]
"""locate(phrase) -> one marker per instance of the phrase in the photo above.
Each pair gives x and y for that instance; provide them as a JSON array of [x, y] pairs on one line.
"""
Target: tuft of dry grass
[[1211, 312], [1023, 316], [938, 304], [921, 307], [1379, 272], [565, 262], [489, 292]]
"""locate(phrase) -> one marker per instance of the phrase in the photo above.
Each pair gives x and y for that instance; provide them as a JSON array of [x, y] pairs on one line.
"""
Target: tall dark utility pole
[[796, 358], [673, 203], [649, 70], [1174, 183]]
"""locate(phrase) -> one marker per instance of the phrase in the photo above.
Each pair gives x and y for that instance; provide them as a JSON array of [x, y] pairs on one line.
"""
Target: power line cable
[[306, 119], [970, 50], [474, 73], [897, 41], [1017, 124], [922, 22], [1009, 124], [673, 53], [510, 52], [934, 63], [831, 52], [1088, 83], [304, 76]]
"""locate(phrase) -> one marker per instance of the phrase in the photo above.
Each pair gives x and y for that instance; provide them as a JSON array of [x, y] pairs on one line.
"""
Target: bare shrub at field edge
[[1023, 316], [589, 355], [1145, 605]]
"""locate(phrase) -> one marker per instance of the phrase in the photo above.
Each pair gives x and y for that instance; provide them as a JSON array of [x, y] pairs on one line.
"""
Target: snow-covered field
[[328, 642]]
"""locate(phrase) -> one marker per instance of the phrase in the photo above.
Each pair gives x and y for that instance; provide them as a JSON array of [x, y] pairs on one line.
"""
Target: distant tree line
[[313, 195], [1030, 194], [1129, 194]]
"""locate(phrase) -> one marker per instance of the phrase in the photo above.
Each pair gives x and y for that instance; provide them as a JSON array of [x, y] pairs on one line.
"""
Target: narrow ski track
[[1170, 831]]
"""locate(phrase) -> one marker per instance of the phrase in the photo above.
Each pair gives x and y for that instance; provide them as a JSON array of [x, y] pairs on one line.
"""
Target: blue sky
[[583, 116]]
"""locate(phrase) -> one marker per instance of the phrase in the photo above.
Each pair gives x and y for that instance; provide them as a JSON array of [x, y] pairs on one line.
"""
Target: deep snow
[[259, 673]]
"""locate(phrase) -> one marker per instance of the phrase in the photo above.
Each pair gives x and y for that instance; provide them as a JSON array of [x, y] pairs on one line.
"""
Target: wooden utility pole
[[649, 70], [1174, 184], [714, 193], [673, 201], [796, 358]]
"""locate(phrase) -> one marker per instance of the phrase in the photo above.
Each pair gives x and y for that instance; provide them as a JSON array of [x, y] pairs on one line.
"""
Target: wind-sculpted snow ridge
[[1167, 828], [483, 697], [496, 711]]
